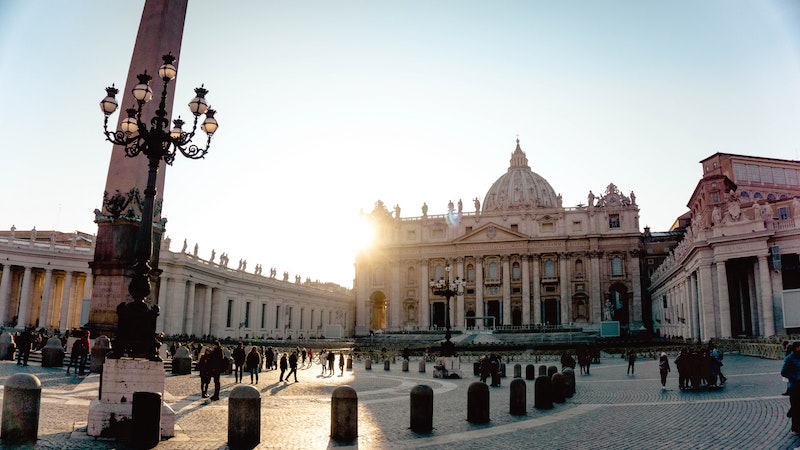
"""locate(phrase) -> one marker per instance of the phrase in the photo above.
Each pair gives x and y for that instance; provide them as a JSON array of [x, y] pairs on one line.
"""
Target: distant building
[[736, 271], [46, 282], [527, 260]]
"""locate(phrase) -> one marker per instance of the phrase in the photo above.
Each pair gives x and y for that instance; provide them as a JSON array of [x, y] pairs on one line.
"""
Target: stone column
[[25, 298], [177, 301], [636, 280], [395, 319], [44, 311], [596, 294], [506, 292], [480, 306], [206, 328], [459, 323], [424, 291], [537, 287], [526, 290], [765, 298], [66, 296], [563, 285], [163, 285], [5, 291], [218, 304], [706, 301], [189, 314], [724, 301]]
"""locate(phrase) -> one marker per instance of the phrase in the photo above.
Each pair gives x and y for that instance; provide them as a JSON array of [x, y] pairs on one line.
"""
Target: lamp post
[[136, 321], [448, 289]]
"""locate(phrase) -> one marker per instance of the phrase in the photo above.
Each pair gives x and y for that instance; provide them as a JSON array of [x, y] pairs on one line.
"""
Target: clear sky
[[327, 106]]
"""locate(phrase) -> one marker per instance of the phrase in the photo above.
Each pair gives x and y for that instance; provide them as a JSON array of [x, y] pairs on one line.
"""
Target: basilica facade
[[46, 282], [527, 261]]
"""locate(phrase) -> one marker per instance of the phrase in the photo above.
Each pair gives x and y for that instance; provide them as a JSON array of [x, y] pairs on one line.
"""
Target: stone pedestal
[[53, 353], [447, 367], [110, 415]]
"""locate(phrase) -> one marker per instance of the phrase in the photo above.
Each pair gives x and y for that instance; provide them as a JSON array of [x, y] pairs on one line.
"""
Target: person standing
[[74, 355], [663, 368], [24, 341], [631, 360], [253, 363], [292, 366], [323, 360], [218, 365], [341, 362], [284, 365], [205, 369], [791, 371], [310, 357], [238, 361], [85, 349]]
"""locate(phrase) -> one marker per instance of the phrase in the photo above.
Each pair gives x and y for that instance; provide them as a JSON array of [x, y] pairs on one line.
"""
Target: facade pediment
[[491, 233]]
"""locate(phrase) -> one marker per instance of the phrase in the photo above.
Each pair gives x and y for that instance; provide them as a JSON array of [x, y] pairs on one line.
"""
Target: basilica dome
[[520, 188]]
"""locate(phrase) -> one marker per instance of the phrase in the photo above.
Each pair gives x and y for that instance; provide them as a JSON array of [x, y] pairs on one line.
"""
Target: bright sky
[[327, 106]]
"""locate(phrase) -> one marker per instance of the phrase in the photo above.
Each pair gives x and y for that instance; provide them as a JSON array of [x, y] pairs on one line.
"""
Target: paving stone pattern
[[610, 410]]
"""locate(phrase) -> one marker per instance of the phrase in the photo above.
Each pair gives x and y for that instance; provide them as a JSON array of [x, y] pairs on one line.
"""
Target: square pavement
[[609, 410]]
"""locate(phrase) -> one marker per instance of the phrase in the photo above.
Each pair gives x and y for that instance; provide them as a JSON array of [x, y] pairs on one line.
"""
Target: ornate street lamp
[[136, 321], [448, 289]]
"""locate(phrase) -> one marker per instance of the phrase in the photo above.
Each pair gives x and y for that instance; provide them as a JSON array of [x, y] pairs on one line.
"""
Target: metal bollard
[[478, 403], [517, 371], [422, 366], [543, 393], [368, 364], [518, 401], [542, 370], [530, 372], [559, 388], [386, 365], [405, 365], [21, 400], [344, 414], [569, 382], [551, 370], [422, 409], [146, 419], [244, 417], [349, 363]]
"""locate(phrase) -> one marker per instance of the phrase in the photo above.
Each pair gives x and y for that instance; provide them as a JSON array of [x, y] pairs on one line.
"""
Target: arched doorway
[[550, 311], [580, 308], [378, 304], [618, 297], [470, 319], [516, 317]]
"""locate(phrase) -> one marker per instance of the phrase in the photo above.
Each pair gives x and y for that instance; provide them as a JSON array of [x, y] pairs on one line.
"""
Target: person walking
[[631, 360], [310, 357], [85, 349], [341, 362], [205, 369], [791, 371], [292, 366], [238, 361], [218, 365], [323, 360], [663, 368], [253, 363], [284, 365], [74, 355]]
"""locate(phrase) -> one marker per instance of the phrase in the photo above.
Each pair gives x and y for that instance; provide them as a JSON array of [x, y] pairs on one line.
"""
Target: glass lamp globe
[[109, 104], [210, 124], [198, 105]]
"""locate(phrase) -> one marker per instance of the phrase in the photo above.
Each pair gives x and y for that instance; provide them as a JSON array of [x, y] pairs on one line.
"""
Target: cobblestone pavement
[[609, 410]]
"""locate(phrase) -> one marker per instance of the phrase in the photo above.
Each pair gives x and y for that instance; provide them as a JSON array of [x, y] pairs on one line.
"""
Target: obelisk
[[160, 32]]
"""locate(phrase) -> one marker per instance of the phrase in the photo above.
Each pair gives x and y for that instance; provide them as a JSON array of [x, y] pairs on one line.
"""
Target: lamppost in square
[[136, 322], [447, 289]]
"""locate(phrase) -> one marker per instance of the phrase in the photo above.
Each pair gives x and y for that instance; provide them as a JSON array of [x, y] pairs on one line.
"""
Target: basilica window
[[230, 313], [613, 221], [470, 272], [770, 197], [493, 272], [616, 266], [549, 269], [515, 272], [757, 195], [783, 213], [438, 272], [744, 194]]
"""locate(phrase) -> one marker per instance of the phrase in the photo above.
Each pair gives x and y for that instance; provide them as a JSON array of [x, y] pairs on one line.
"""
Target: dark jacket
[[238, 355], [283, 362], [293, 360], [253, 360], [204, 366], [218, 362]]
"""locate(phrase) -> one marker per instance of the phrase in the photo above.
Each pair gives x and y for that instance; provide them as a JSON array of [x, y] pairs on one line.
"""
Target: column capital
[[479, 259]]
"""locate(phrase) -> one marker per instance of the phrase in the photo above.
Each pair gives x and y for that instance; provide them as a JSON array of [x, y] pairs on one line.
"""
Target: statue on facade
[[240, 265], [11, 235], [559, 200], [716, 216], [460, 206], [185, 246], [608, 312], [633, 199], [297, 279], [397, 211], [285, 276], [52, 239], [477, 204], [244, 265], [590, 200], [213, 254], [450, 206], [33, 234], [195, 250], [424, 209]]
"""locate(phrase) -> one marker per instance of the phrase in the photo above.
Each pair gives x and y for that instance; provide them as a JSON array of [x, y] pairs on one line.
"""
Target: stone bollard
[[503, 370], [422, 366], [368, 364], [530, 372], [551, 370], [244, 417], [182, 361], [517, 370], [344, 414], [518, 401], [100, 348], [7, 347], [146, 419], [542, 370], [569, 382], [542, 393], [476, 368], [349, 363], [421, 409], [21, 400], [386, 365], [405, 365], [478, 403], [53, 353], [557, 380]]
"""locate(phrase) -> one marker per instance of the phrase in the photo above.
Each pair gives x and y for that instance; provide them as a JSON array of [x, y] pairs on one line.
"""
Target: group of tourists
[[490, 367]]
